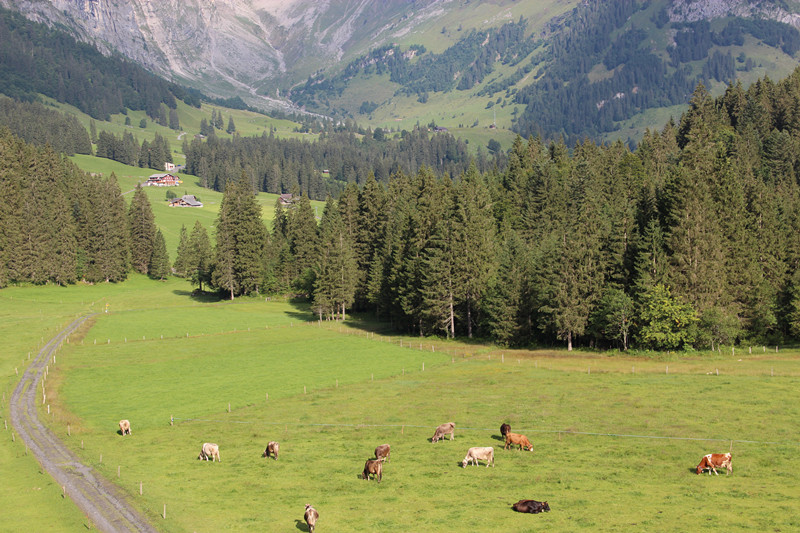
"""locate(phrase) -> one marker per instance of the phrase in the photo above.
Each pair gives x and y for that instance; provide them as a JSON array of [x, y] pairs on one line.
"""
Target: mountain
[[556, 67]]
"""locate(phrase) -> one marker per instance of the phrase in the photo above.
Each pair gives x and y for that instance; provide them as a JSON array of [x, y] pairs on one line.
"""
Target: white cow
[[209, 452], [479, 453]]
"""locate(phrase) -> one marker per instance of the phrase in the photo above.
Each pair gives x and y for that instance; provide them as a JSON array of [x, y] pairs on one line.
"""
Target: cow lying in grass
[[513, 439], [479, 453], [373, 467], [382, 452], [125, 427], [444, 429], [272, 449], [712, 461], [530, 506], [209, 452], [311, 516]]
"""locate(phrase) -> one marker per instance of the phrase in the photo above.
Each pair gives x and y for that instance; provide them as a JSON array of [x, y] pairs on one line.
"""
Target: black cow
[[530, 506], [505, 428]]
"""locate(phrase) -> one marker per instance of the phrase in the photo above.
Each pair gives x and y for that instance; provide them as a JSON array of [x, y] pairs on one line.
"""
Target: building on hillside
[[285, 199], [169, 167], [187, 200], [162, 180]]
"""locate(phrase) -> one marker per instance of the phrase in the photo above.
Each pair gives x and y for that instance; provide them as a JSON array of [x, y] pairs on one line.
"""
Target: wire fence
[[467, 428]]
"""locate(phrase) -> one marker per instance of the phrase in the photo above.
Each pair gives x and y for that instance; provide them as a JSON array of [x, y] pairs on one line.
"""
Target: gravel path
[[95, 496]]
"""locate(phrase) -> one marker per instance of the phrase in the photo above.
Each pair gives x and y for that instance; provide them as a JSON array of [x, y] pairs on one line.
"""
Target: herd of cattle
[[374, 467]]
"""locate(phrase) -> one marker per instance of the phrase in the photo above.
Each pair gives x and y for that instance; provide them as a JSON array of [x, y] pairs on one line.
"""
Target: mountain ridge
[[279, 55]]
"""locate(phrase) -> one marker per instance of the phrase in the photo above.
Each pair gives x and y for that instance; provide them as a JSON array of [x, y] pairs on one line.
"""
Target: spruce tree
[[141, 222], [199, 261], [241, 240], [109, 249], [181, 266], [473, 243], [336, 270], [159, 261]]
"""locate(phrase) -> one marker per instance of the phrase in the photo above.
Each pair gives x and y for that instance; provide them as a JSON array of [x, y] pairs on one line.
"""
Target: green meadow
[[616, 438]]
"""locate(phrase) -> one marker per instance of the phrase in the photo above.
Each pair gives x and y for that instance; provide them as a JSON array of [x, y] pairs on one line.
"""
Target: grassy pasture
[[581, 412]]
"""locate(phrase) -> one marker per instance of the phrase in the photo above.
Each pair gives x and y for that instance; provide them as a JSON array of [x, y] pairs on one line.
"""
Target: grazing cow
[[443, 430], [516, 438], [712, 461], [272, 449], [374, 467], [479, 453], [505, 428], [382, 452], [311, 517], [125, 427], [530, 506], [209, 452]]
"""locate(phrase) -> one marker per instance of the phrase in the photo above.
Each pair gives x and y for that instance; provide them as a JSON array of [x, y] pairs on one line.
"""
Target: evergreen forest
[[687, 241]]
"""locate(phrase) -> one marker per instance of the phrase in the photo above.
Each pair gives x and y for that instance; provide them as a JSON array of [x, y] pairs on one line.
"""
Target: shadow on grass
[[301, 525], [199, 296]]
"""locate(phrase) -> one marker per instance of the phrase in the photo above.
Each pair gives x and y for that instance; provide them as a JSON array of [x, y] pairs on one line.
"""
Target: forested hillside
[[326, 165], [688, 241], [57, 223], [582, 75], [35, 59]]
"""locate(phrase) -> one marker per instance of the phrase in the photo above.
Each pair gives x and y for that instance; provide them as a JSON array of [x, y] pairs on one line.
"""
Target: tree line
[[325, 166], [126, 149], [59, 224], [34, 123], [690, 240], [36, 59]]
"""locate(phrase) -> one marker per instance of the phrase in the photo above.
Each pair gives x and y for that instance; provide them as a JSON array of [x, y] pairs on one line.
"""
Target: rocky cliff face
[[256, 45], [694, 10]]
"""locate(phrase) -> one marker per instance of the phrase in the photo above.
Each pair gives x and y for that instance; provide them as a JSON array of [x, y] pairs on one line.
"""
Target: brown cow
[[504, 428], [125, 427], [712, 461], [311, 517], [522, 440], [209, 452], [443, 430], [382, 452], [272, 449], [374, 467], [530, 506]]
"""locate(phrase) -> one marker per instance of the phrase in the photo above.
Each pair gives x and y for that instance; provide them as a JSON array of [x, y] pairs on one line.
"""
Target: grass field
[[170, 219], [616, 438]]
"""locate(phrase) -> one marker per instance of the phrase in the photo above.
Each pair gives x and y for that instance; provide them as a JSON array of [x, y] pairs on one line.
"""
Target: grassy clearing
[[170, 219], [568, 405]]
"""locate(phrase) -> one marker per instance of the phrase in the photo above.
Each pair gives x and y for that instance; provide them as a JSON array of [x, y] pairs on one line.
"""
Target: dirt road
[[95, 496]]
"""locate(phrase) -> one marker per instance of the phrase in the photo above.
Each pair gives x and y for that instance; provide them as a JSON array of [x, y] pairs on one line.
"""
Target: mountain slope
[[557, 67]]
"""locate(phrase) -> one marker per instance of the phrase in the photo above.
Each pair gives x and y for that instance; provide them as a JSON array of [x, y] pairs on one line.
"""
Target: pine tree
[[474, 238], [199, 260], [336, 271], [141, 222], [371, 222], [301, 234], [109, 248], [181, 268], [231, 126], [159, 261], [241, 240]]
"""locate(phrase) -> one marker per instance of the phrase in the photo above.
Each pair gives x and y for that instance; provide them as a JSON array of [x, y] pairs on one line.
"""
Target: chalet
[[285, 199], [162, 180], [187, 200], [169, 167]]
